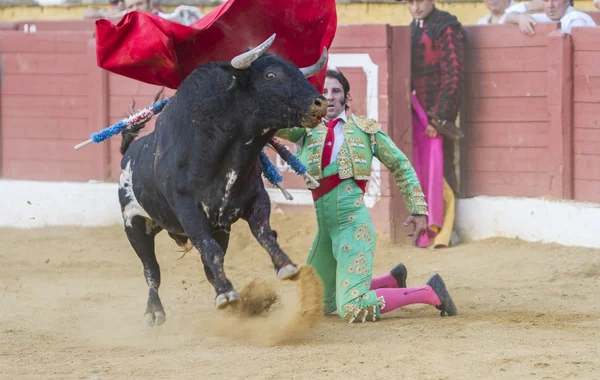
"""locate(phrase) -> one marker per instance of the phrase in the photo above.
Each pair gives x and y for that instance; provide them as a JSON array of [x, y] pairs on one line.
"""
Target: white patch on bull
[[266, 130], [231, 177], [133, 208], [205, 208], [250, 142]]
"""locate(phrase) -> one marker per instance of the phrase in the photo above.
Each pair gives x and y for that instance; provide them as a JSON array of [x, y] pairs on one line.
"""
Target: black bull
[[199, 171]]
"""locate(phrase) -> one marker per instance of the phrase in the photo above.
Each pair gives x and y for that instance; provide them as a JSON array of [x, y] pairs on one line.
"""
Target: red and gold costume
[[437, 73]]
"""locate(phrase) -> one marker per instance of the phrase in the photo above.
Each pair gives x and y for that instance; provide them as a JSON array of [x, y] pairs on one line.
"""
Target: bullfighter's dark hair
[[337, 74]]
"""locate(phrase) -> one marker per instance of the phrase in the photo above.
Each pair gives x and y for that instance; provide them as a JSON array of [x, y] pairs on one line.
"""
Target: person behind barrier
[[554, 11], [437, 81], [498, 7], [183, 14], [338, 153], [116, 10]]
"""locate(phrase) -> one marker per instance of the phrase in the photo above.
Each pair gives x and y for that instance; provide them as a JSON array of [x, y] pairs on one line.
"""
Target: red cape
[[144, 47]]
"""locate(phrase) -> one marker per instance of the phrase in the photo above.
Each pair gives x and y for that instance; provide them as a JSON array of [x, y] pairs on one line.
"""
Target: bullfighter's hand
[[420, 222], [445, 128], [430, 131]]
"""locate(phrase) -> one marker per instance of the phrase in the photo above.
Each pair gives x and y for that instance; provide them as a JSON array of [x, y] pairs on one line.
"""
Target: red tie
[[328, 148]]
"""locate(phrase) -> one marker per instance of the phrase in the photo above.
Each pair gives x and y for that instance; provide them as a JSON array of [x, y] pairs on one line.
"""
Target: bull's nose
[[319, 102]]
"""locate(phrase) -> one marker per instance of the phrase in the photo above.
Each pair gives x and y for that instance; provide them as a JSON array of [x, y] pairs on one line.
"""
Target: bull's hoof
[[156, 318], [288, 272], [223, 300]]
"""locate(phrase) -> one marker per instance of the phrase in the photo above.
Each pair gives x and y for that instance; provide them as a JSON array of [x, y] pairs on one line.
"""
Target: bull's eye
[[270, 75]]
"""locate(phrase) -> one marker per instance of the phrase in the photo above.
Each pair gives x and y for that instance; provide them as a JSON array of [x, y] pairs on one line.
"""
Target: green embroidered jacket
[[363, 139]]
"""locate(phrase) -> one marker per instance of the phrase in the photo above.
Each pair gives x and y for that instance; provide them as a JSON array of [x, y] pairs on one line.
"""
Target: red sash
[[331, 182]]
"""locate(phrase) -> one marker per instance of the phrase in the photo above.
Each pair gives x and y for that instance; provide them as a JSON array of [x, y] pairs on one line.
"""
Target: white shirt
[[338, 136], [485, 20], [570, 19], [183, 14]]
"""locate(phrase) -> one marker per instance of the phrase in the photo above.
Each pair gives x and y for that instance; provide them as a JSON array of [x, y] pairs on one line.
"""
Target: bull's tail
[[183, 242], [131, 133]]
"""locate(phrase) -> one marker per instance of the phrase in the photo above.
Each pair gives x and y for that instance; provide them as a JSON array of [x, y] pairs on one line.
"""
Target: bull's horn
[[243, 61], [312, 70]]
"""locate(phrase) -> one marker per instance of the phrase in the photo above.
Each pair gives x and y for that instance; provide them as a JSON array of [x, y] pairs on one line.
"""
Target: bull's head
[[278, 89]]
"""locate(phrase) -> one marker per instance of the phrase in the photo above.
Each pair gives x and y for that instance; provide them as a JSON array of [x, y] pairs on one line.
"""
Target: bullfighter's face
[[420, 9], [336, 99]]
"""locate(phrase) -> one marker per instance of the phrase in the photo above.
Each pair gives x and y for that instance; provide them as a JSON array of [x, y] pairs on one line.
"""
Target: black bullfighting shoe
[[399, 273], [446, 306]]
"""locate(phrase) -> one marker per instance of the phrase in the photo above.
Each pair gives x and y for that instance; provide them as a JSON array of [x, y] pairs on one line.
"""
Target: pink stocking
[[395, 298], [385, 281]]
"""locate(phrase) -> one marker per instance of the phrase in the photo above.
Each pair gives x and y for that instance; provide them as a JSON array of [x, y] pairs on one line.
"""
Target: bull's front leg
[[258, 217], [197, 228]]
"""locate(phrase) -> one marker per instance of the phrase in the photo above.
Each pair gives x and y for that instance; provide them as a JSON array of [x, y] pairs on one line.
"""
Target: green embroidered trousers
[[343, 250]]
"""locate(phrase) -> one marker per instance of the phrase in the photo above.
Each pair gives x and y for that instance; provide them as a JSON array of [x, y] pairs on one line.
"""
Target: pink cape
[[428, 161]]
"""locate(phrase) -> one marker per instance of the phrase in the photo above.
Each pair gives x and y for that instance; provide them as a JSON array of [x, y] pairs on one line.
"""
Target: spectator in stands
[[498, 7], [597, 3], [183, 14], [116, 10], [554, 11]]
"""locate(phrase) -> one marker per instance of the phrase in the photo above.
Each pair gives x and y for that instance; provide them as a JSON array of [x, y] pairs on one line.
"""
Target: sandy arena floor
[[72, 303]]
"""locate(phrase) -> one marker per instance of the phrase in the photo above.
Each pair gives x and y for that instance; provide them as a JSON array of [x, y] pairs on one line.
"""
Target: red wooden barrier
[[506, 112], [48, 105], [34, 26], [586, 77], [530, 114]]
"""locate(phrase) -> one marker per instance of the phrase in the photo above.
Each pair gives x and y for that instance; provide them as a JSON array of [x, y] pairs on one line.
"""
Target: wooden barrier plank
[[586, 63], [44, 101], [26, 126], [508, 159], [587, 88], [43, 63], [120, 85], [498, 85], [59, 25], [499, 36], [513, 59], [372, 36], [508, 134], [507, 109], [586, 141], [98, 109], [42, 84], [499, 183], [586, 39], [46, 42], [585, 115], [587, 166], [587, 190], [48, 170], [400, 119], [51, 149], [48, 112], [560, 109]]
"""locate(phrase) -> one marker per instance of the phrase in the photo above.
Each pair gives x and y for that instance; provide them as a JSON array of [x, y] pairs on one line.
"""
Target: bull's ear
[[238, 77], [230, 69]]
